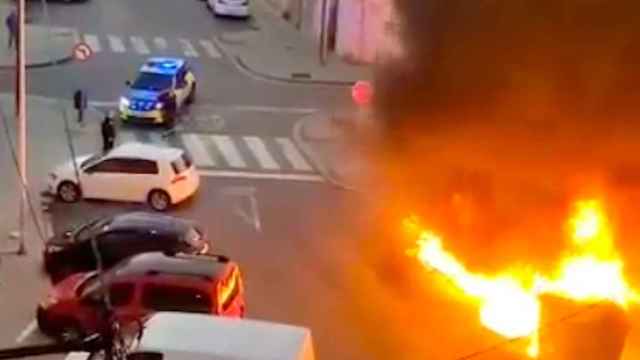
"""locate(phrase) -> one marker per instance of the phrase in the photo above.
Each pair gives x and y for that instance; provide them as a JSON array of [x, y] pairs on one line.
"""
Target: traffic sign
[[362, 92], [82, 52]]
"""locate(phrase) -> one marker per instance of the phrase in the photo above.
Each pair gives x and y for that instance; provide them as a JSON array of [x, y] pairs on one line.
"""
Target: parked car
[[139, 286], [118, 237], [134, 172], [174, 335], [234, 8]]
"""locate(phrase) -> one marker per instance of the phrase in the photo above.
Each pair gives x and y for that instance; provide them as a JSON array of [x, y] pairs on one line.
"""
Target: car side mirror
[[128, 83]]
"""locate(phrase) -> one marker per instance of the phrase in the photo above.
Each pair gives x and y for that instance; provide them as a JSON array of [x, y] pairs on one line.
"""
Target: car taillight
[[178, 179]]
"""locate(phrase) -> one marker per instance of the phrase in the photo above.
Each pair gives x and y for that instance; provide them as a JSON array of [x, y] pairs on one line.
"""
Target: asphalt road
[[104, 75]]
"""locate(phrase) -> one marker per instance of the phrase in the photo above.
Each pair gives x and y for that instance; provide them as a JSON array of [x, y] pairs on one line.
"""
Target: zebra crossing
[[142, 46], [231, 152]]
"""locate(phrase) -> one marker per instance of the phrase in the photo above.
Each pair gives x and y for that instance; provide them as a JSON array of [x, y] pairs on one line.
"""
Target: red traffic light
[[362, 92]]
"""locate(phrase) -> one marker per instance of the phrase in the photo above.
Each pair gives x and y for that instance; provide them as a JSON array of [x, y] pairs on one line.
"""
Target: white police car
[[162, 87]]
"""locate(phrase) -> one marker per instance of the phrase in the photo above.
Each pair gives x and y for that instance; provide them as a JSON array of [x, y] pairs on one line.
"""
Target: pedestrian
[[12, 27], [108, 133], [80, 103]]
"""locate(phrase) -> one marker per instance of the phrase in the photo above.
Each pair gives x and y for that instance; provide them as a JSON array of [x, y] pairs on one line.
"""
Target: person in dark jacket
[[108, 133], [12, 28]]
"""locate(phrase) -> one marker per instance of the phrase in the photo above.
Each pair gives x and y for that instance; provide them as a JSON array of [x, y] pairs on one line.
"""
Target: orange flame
[[591, 271]]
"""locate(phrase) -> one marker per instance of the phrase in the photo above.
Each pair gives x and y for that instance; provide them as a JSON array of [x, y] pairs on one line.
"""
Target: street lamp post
[[21, 120]]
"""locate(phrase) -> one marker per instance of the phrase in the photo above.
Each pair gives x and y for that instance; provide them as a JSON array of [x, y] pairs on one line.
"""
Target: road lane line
[[139, 45], [126, 137], [211, 49], [198, 150], [160, 43], [30, 329], [293, 155], [77, 355], [274, 109], [93, 42], [116, 44], [229, 151], [262, 176], [187, 48], [103, 103], [158, 139], [259, 150]]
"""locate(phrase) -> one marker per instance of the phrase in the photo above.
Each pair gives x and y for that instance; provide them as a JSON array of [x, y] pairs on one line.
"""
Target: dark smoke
[[502, 113], [527, 58], [505, 110]]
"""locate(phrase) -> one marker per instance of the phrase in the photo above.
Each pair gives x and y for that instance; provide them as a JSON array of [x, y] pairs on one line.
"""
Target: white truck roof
[[188, 336]]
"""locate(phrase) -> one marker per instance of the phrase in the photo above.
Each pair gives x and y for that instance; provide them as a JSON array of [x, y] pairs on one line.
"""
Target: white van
[[188, 336]]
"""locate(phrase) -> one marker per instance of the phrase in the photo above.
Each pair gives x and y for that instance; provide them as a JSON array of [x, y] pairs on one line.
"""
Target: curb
[[328, 174], [39, 65], [239, 62]]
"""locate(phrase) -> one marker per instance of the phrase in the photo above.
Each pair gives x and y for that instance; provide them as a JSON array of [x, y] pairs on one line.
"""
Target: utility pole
[[324, 37], [21, 120]]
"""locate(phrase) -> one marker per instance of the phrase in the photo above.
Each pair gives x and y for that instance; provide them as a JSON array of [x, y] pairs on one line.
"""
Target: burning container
[[573, 330]]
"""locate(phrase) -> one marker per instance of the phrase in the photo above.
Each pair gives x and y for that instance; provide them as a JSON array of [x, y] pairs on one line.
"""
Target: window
[[112, 165], [141, 167], [182, 163], [231, 291], [85, 232], [121, 294], [181, 78], [175, 298]]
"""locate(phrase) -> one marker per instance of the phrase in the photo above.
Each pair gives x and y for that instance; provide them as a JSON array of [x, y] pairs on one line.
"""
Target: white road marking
[[274, 109], [259, 150], [211, 49], [188, 48], [116, 44], [293, 155], [77, 355], [265, 176], [93, 42], [158, 139], [123, 137], [30, 329], [198, 150], [160, 43], [139, 45], [229, 151], [103, 103]]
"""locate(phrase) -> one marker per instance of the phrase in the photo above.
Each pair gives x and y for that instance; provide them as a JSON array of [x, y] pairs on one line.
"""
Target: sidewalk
[[47, 146], [275, 50], [332, 142], [43, 47]]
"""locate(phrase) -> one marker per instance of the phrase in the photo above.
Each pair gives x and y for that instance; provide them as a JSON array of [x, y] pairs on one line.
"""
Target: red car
[[139, 286]]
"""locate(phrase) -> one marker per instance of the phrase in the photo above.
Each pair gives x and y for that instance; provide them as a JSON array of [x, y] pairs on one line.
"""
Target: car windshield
[[152, 82], [89, 285], [85, 232], [193, 237], [182, 163], [92, 159]]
